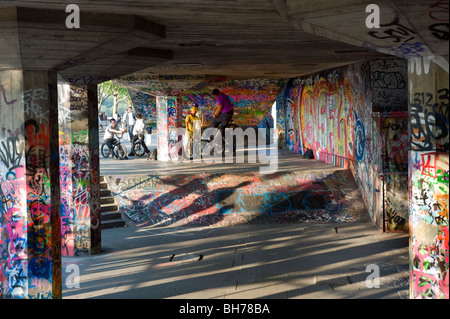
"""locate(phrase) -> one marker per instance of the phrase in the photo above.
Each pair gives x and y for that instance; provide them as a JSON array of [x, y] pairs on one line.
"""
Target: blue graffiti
[[269, 203], [360, 138]]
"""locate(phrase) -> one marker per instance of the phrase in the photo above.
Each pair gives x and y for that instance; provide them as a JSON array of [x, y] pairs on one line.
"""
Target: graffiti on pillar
[[78, 99], [31, 103], [37, 154], [389, 85], [395, 171], [438, 14], [3, 94], [29, 222], [429, 182], [80, 209], [13, 215], [429, 120], [81, 182]]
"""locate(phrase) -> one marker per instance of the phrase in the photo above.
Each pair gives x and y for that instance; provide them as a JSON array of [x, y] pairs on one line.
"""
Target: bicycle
[[200, 145], [138, 147], [118, 149]]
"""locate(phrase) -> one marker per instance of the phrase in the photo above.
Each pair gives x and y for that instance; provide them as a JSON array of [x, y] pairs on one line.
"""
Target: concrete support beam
[[406, 28], [79, 167], [168, 120], [429, 179], [106, 45], [30, 225]]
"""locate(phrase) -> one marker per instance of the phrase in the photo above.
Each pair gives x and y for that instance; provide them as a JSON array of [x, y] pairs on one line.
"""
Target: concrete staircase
[[111, 216]]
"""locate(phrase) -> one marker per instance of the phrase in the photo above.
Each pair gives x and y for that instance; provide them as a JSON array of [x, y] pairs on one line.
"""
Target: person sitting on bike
[[138, 133], [223, 112], [109, 139]]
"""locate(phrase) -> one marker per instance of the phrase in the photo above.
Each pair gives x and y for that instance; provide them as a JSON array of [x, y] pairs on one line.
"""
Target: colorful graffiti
[[429, 184], [169, 120], [332, 113], [395, 172], [252, 97], [29, 264], [79, 172], [226, 199]]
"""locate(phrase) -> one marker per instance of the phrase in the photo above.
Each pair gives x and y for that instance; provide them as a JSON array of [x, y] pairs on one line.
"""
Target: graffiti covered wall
[[332, 113], [252, 97]]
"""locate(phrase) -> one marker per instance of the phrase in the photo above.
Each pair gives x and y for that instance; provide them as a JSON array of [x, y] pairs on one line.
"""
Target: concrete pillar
[[30, 225], [429, 179], [168, 122], [79, 168]]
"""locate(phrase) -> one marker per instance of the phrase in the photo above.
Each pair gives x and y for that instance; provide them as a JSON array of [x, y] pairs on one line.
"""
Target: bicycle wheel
[[138, 149], [105, 151], [121, 151]]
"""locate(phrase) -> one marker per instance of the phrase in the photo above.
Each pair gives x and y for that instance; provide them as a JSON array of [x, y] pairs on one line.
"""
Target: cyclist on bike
[[138, 133], [110, 132], [222, 113]]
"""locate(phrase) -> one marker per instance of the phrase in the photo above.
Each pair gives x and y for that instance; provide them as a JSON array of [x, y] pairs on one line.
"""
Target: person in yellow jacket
[[191, 120]]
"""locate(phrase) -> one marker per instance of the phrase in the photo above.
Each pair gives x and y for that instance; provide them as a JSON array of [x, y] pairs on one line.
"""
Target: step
[[105, 192], [113, 223], [107, 200], [111, 215], [111, 207]]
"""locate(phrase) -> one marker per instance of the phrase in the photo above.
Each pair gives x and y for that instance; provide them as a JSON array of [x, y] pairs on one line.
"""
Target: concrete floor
[[276, 261], [287, 161], [286, 261]]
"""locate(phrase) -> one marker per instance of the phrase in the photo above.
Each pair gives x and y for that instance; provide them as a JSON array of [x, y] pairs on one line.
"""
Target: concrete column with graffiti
[[168, 121], [79, 169], [429, 179], [30, 264]]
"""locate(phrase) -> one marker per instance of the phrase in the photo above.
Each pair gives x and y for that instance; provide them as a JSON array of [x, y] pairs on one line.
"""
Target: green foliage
[[110, 96]]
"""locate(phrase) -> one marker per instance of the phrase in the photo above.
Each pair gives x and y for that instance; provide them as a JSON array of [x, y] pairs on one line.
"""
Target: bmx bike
[[119, 149], [138, 147], [199, 146]]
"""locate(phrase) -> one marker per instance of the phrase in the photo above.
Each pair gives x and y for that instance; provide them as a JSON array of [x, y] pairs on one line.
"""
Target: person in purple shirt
[[223, 112]]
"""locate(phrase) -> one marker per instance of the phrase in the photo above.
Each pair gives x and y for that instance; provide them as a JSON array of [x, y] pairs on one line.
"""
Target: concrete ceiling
[[223, 38]]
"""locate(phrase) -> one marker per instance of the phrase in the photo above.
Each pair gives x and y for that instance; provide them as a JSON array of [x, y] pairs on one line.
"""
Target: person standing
[[129, 120], [198, 113], [192, 122], [138, 133]]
